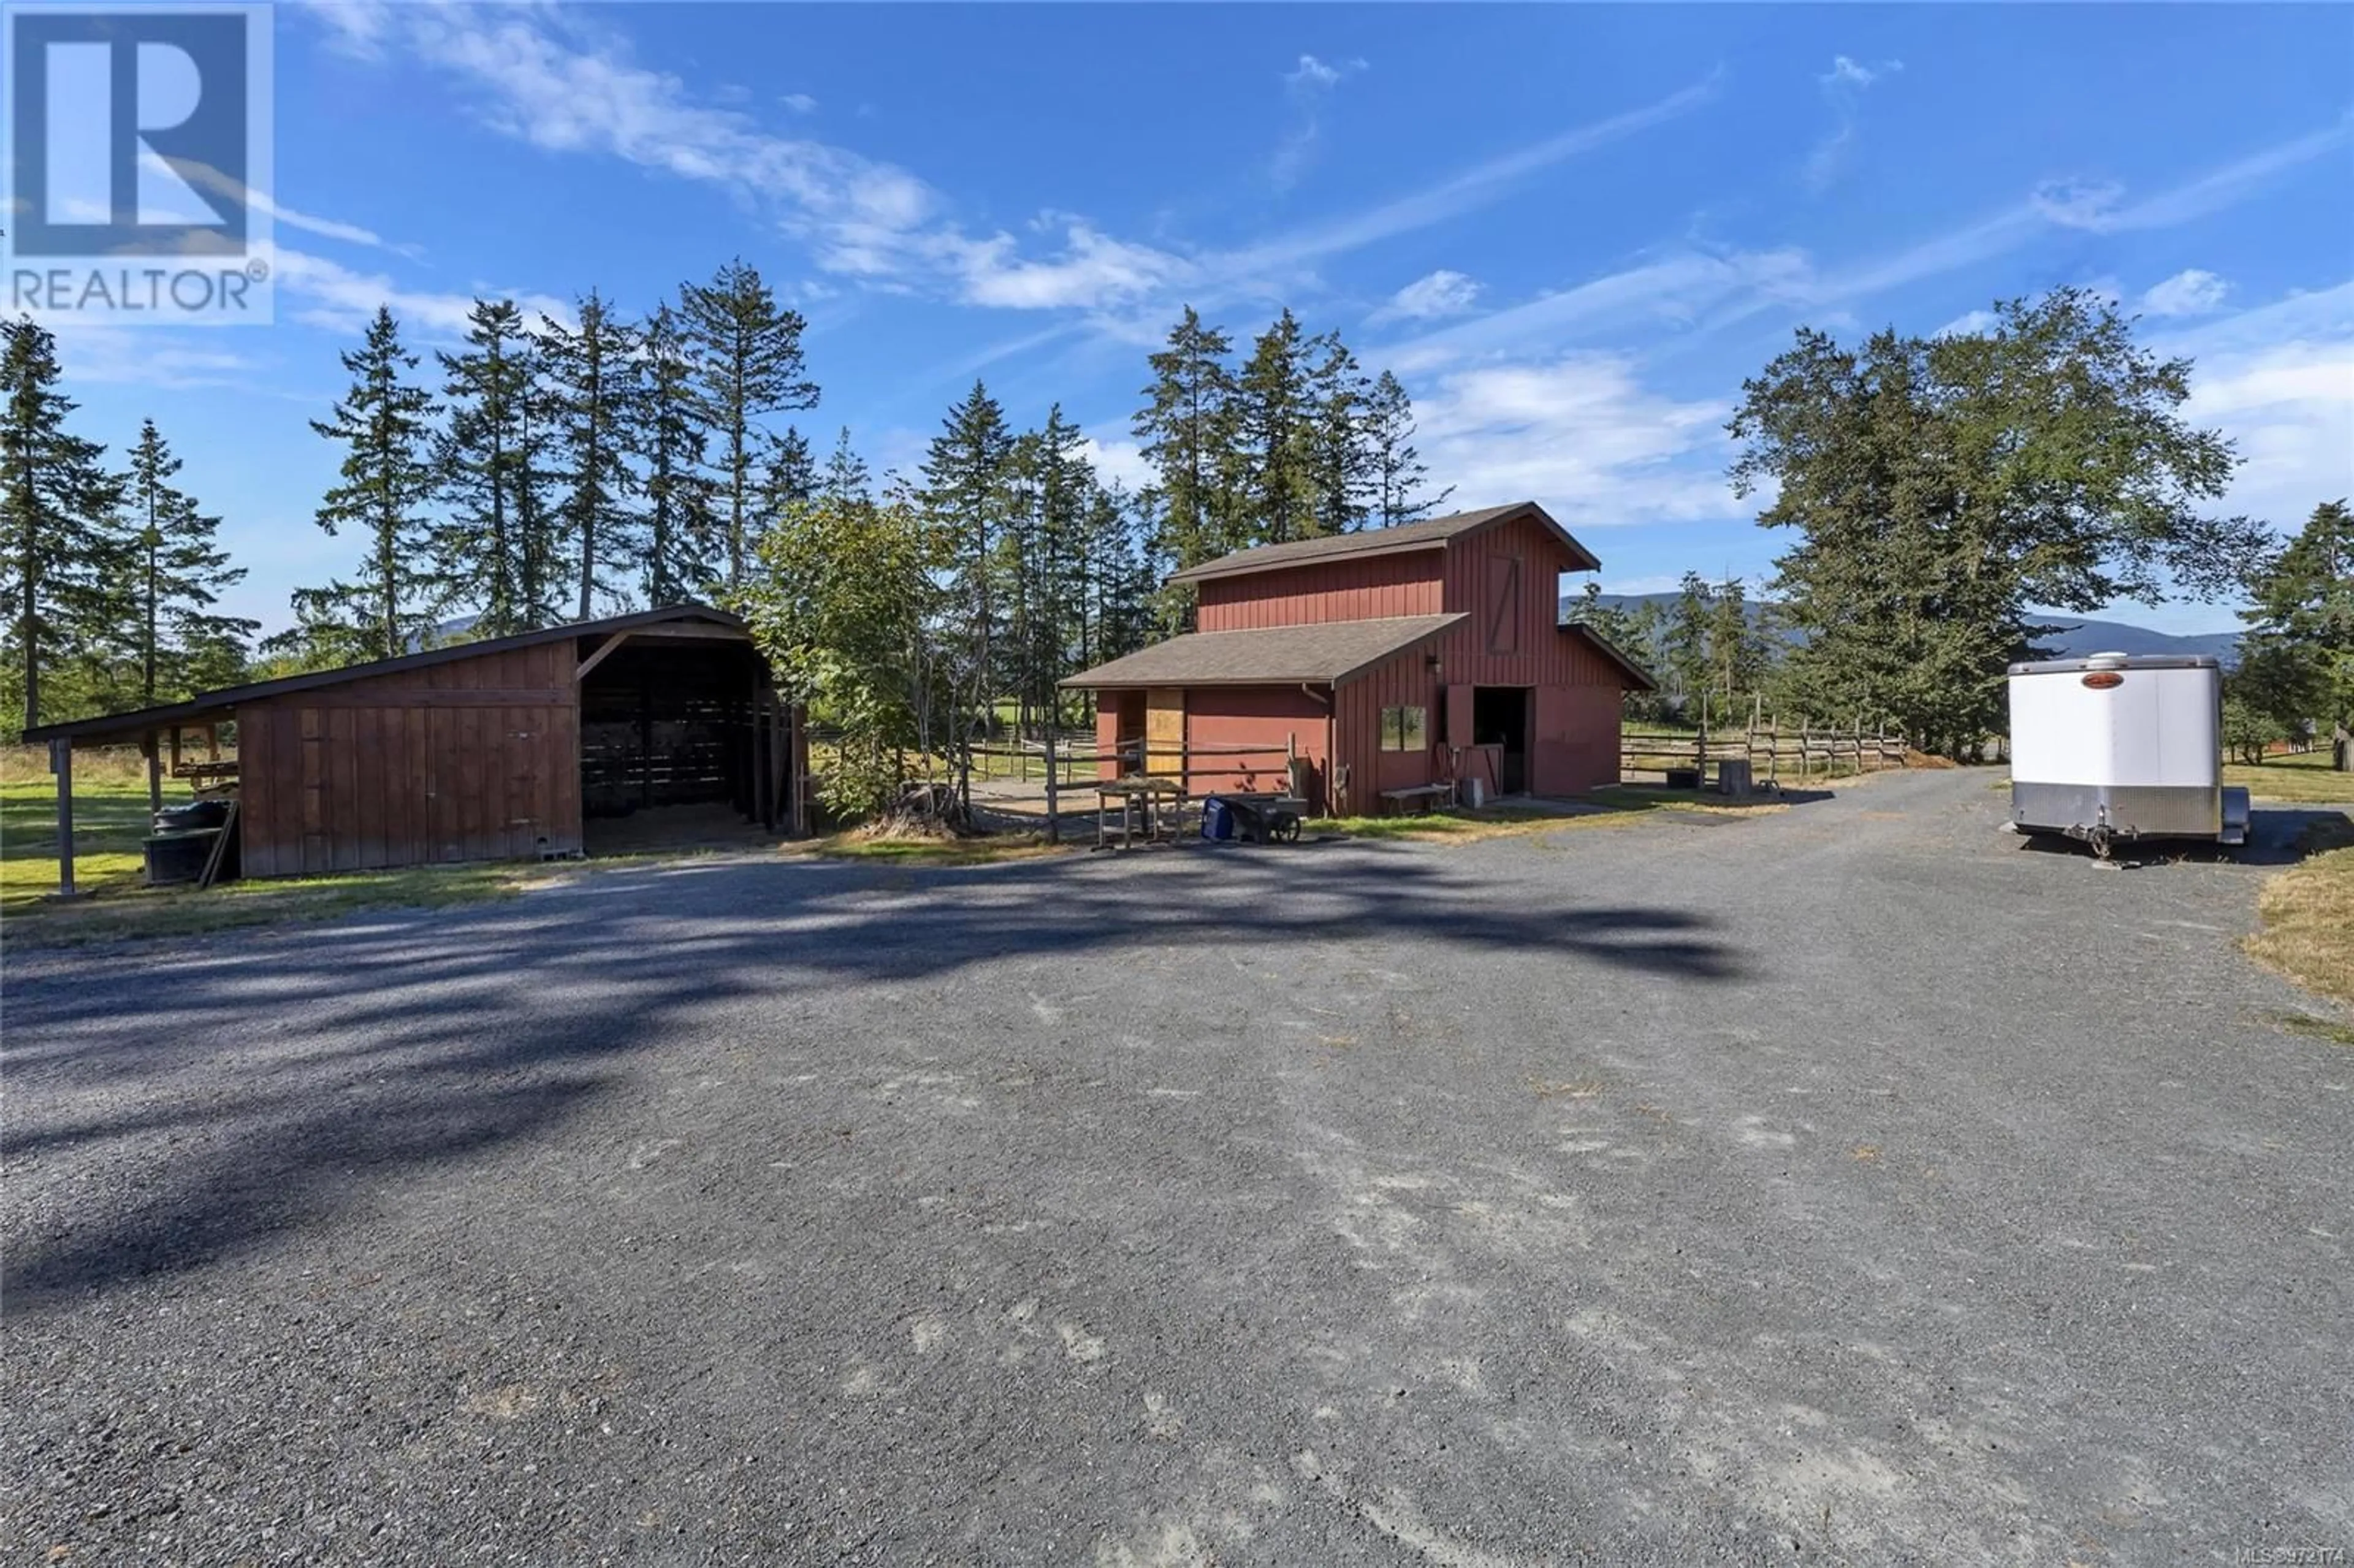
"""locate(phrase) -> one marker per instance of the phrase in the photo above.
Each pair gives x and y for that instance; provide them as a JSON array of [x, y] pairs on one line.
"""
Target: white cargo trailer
[[2114, 748]]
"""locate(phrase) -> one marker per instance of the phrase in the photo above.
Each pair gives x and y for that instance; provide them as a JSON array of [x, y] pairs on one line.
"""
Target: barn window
[[1403, 730]]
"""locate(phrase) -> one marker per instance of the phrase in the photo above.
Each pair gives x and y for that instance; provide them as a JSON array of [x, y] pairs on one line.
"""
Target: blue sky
[[1570, 230]]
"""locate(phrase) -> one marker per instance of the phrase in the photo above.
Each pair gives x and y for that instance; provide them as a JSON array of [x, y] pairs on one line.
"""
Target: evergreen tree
[[595, 402], [1684, 646], [1396, 470], [1339, 439], [483, 550], [789, 476], [59, 522], [747, 359], [846, 477], [1186, 431], [1274, 427], [680, 524], [2296, 661], [386, 477], [1941, 486], [967, 498], [179, 643]]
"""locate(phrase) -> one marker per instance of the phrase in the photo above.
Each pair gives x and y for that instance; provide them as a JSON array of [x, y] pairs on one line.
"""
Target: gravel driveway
[[1852, 1184]]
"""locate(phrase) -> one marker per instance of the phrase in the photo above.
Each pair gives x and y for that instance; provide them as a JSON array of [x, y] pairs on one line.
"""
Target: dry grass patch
[[2307, 915], [902, 847], [1612, 806]]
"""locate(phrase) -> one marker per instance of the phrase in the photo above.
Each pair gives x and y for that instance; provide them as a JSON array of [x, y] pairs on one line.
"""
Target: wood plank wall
[[473, 760], [1370, 587]]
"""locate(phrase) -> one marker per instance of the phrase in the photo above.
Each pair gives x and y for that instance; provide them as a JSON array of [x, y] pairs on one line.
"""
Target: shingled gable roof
[[1323, 652], [206, 706], [1432, 534]]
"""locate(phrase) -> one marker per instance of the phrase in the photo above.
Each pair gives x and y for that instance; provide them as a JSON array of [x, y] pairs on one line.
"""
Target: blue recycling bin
[[1217, 818]]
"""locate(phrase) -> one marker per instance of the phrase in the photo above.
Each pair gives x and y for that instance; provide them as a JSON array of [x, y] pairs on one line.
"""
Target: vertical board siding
[[385, 771], [1259, 717], [1371, 588]]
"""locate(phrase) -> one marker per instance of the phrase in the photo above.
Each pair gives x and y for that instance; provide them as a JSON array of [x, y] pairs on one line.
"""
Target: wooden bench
[[1421, 798]]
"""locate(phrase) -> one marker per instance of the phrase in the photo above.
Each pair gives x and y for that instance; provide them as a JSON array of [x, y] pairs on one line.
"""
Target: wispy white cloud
[[799, 102], [2279, 380], [1843, 86], [326, 294], [2192, 292], [1431, 297], [1580, 433], [1967, 324], [1675, 290], [1474, 187], [1309, 86], [161, 357]]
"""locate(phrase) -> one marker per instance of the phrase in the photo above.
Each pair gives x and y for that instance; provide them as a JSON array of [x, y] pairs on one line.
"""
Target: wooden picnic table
[[1138, 796]]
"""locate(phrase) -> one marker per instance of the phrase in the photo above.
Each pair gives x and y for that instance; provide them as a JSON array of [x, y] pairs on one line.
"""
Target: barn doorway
[[682, 743], [1500, 720]]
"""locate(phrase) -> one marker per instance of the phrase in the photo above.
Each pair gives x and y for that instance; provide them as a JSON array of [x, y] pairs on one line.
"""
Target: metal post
[[154, 773], [61, 764]]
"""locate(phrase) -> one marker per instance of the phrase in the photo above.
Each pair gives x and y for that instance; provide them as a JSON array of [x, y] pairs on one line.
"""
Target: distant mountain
[[2074, 638]]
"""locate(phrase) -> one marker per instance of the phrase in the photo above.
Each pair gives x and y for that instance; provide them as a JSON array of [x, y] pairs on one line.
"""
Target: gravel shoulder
[[1853, 1183]]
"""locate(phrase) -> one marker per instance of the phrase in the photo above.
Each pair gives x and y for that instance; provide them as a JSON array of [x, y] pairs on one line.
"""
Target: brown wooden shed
[[499, 749]]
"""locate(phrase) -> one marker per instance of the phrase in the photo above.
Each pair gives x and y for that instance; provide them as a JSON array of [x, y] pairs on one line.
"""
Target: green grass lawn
[[110, 820], [2305, 776]]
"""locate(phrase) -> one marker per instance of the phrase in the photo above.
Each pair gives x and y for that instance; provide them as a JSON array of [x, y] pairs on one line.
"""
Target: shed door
[[1164, 730]]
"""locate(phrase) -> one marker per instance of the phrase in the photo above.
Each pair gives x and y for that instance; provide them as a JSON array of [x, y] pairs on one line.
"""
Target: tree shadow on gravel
[[177, 1106]]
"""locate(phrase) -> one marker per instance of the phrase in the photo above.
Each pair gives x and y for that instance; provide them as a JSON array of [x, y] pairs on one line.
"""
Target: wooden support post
[[61, 764], [212, 741], [175, 751], [1054, 787], [154, 772]]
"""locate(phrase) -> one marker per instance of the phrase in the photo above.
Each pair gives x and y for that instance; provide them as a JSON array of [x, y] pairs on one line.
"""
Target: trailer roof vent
[[2106, 661]]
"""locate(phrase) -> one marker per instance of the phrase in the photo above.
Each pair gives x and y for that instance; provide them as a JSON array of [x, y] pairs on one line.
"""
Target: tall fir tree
[[594, 407], [60, 521], [386, 477], [1185, 429], [846, 476], [177, 642], [1274, 427], [788, 478], [967, 496], [747, 359], [2296, 661], [178, 571], [484, 549], [1340, 455], [1395, 469], [680, 532]]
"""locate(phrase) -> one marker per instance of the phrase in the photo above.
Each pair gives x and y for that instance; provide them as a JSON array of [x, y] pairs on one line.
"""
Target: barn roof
[[1431, 533], [208, 706], [1321, 651]]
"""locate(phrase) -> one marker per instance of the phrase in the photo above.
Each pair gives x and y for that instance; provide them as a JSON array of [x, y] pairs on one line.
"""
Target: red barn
[[1389, 659]]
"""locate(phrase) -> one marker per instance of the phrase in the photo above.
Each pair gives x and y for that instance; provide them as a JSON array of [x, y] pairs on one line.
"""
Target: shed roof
[[206, 706], [1431, 533], [1321, 651]]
